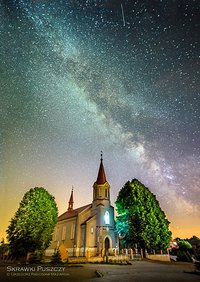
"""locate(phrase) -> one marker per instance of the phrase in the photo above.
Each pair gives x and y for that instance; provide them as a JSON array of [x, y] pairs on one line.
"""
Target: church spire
[[101, 178], [71, 201], [101, 188]]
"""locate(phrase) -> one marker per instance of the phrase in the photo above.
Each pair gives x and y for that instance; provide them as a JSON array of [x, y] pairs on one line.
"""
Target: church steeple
[[101, 188], [71, 201], [101, 178]]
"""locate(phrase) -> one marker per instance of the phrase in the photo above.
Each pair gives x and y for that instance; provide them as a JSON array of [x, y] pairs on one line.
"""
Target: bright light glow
[[107, 217]]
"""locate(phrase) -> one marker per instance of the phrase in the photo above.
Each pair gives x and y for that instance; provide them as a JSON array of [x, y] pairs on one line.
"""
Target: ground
[[139, 271]]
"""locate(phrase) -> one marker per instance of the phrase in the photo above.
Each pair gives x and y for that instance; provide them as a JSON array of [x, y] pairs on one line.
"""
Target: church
[[89, 229]]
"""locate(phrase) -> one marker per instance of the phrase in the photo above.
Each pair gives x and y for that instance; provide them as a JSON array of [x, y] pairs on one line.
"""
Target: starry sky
[[78, 77]]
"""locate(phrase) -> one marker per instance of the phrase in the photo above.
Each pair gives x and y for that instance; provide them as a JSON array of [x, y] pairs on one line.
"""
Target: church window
[[83, 235], [106, 193], [72, 230], [63, 232], [107, 217], [92, 230]]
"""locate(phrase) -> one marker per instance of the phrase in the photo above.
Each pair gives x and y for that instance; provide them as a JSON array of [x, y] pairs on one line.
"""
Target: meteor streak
[[124, 23]]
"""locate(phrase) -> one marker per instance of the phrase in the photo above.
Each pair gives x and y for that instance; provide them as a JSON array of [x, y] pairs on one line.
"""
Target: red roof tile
[[72, 213]]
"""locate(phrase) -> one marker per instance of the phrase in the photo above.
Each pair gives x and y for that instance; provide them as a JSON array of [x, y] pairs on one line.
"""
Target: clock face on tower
[[107, 217]]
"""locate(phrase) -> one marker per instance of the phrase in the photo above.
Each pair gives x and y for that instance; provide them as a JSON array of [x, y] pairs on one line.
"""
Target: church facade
[[90, 229]]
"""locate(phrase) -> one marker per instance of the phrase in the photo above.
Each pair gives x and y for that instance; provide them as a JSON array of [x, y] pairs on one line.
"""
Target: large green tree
[[32, 226], [140, 219]]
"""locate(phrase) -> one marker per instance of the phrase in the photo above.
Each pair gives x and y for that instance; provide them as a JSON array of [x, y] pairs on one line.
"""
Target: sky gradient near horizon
[[78, 77]]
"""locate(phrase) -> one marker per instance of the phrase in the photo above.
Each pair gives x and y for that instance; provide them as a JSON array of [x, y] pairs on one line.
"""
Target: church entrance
[[107, 245]]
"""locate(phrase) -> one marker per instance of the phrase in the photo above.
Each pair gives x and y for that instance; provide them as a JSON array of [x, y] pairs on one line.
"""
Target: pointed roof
[[101, 178], [71, 201]]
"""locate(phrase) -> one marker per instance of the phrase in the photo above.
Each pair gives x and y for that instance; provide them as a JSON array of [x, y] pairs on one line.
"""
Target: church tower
[[104, 213], [101, 188]]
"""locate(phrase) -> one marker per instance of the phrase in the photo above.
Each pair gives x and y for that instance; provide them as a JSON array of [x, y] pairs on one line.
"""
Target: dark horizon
[[78, 77]]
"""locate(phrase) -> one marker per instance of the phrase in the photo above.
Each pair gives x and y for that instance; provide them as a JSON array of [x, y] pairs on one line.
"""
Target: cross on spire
[[101, 156]]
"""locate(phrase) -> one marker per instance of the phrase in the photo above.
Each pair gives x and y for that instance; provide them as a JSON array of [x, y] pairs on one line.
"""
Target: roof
[[87, 219], [101, 178], [72, 213]]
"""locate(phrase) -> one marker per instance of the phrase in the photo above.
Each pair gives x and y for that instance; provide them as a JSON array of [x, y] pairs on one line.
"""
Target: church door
[[107, 245]]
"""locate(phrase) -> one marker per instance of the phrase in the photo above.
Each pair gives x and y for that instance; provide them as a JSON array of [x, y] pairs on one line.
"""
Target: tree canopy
[[188, 249], [140, 219], [184, 245], [32, 226]]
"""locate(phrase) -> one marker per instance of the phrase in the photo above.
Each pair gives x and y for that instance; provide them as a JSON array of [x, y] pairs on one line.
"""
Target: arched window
[[107, 217]]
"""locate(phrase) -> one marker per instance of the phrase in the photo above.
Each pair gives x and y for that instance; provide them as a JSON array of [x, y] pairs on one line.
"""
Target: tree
[[183, 252], [195, 243], [32, 226], [140, 219], [56, 257], [4, 249], [188, 249], [183, 245], [35, 257]]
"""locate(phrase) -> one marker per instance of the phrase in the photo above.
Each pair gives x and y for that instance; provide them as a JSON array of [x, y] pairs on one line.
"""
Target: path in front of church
[[139, 271], [146, 271]]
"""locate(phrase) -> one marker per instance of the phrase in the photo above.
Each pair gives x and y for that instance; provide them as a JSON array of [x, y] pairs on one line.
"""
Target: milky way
[[78, 77]]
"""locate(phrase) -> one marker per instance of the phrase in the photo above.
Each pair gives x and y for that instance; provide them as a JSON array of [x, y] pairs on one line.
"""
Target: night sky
[[78, 77]]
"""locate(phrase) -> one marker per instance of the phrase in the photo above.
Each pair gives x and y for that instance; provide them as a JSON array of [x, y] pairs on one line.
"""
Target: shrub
[[56, 257], [35, 257], [184, 256]]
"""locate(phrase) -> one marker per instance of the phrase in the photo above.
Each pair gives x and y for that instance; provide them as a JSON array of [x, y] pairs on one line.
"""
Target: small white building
[[90, 228]]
